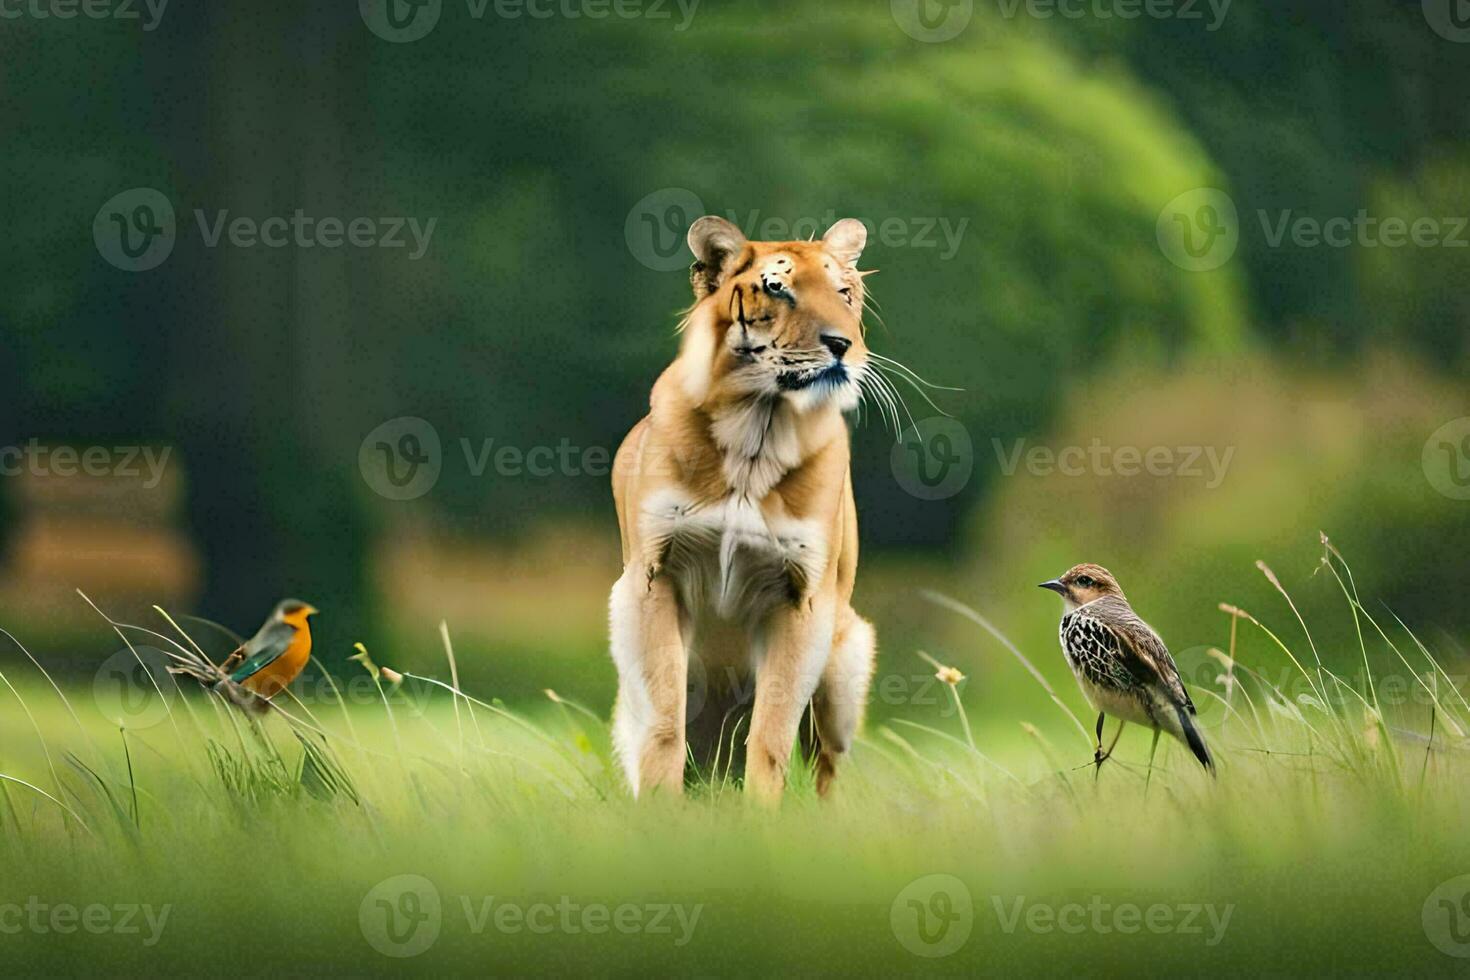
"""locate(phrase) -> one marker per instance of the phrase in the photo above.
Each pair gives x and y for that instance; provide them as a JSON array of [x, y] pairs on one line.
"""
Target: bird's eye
[[1086, 582]]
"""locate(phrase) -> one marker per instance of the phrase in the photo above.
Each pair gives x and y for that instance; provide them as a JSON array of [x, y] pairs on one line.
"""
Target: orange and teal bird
[[270, 660]]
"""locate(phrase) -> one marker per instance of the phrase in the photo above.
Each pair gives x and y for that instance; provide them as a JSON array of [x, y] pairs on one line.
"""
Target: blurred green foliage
[[1053, 144], [1282, 457]]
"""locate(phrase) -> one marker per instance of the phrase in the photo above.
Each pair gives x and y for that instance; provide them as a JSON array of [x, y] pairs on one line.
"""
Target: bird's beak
[[1055, 585], [310, 611]]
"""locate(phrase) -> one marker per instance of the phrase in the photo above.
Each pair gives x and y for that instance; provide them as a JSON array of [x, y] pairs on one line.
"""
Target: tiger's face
[[780, 319]]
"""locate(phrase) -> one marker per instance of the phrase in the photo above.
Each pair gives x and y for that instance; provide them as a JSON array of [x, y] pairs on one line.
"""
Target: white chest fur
[[760, 444], [728, 557]]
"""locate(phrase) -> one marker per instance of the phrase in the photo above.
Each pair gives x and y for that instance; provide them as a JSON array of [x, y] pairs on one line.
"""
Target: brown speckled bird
[[1122, 666]]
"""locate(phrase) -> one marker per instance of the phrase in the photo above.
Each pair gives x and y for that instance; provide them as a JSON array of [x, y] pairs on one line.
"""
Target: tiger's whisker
[[895, 398], [924, 395], [882, 400], [894, 363]]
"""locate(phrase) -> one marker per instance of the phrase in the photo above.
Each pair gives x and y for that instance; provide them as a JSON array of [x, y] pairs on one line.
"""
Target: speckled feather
[[1107, 643]]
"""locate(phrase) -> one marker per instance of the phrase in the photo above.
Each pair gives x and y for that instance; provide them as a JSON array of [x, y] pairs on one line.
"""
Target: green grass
[[1335, 816]]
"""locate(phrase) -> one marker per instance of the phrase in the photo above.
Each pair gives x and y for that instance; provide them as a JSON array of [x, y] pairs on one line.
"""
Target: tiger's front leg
[[798, 641], [648, 648]]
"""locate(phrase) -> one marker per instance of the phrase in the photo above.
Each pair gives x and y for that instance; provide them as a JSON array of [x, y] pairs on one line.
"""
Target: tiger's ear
[[845, 241], [716, 244]]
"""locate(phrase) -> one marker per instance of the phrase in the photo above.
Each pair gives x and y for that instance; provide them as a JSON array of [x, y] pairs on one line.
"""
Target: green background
[[1054, 144]]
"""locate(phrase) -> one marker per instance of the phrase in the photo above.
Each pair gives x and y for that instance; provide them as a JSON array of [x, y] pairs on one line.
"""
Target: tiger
[[732, 620]]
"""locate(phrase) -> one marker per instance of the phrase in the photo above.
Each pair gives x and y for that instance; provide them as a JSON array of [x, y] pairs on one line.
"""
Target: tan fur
[[735, 506]]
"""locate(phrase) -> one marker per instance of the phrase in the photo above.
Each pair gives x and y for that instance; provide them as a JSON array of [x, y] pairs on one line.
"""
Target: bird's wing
[[262, 649], [1140, 647]]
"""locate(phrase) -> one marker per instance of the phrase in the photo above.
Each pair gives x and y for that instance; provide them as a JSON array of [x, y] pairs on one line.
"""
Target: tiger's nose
[[837, 345]]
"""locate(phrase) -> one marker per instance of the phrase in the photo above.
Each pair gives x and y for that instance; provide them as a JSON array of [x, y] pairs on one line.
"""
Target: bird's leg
[[1097, 754], [1151, 750], [1104, 756]]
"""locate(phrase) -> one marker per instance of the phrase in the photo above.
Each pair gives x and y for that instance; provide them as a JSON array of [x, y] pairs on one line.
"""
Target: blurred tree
[[1013, 176], [1414, 295], [1278, 454], [1013, 194], [263, 343], [1309, 107]]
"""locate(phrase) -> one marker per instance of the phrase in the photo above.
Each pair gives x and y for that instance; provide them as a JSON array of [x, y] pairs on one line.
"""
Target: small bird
[[270, 660], [1122, 666]]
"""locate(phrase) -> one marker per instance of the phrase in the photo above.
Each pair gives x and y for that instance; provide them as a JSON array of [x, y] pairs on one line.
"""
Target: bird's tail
[[1194, 740], [201, 670], [214, 680]]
